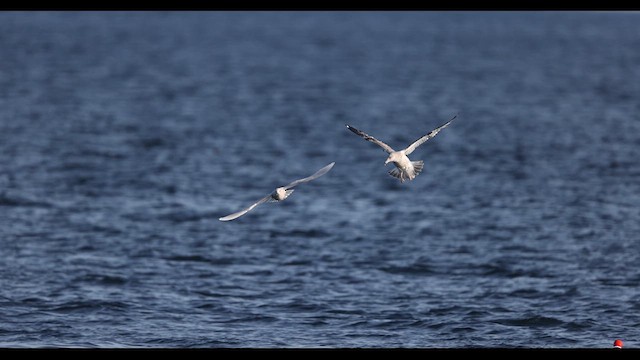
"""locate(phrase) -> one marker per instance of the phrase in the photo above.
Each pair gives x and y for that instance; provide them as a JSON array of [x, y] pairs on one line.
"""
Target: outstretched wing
[[318, 173], [421, 141], [368, 137], [242, 212]]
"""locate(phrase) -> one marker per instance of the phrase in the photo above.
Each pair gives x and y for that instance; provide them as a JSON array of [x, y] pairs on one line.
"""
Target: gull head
[[393, 157]]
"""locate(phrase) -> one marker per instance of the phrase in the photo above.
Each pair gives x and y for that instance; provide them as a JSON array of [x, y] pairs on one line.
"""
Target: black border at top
[[434, 5]]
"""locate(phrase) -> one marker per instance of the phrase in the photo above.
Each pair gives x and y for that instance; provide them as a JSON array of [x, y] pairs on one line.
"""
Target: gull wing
[[368, 137], [242, 212], [318, 173], [421, 141]]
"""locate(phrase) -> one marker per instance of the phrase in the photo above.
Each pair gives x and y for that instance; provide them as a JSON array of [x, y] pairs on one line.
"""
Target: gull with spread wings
[[405, 168], [280, 193]]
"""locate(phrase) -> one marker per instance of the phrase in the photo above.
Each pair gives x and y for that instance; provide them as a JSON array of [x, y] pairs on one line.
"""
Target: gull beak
[[386, 162]]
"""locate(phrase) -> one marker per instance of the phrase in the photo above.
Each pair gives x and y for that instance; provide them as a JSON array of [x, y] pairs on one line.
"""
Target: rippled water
[[125, 136]]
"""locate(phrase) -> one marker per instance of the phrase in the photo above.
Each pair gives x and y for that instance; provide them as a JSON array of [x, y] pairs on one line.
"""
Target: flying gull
[[280, 193], [405, 168]]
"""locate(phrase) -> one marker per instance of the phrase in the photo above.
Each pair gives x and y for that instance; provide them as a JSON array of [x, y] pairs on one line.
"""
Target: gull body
[[405, 168], [279, 194]]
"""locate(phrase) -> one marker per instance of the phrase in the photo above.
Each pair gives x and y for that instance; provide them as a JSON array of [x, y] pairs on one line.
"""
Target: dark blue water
[[125, 136]]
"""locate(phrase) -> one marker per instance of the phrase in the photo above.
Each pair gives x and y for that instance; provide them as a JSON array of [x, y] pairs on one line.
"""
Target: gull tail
[[287, 193], [417, 167], [398, 174], [402, 176]]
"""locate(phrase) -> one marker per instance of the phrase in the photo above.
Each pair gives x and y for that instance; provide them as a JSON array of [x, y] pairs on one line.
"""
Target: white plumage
[[279, 194], [405, 168]]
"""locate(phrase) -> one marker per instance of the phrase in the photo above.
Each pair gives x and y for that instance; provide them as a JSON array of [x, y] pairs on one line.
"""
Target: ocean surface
[[124, 136]]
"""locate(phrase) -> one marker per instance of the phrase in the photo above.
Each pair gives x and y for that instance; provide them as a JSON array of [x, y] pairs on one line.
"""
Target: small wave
[[203, 259], [106, 154], [446, 310], [519, 248], [93, 228], [316, 322], [414, 269], [527, 293], [302, 306], [250, 319], [103, 279], [257, 273], [609, 281], [346, 312], [89, 305], [194, 341], [151, 142], [357, 323], [394, 324], [374, 335], [313, 233], [297, 263], [435, 326], [16, 201], [531, 321], [212, 294], [463, 329], [6, 299], [75, 166], [87, 248], [194, 258], [507, 271], [208, 305]]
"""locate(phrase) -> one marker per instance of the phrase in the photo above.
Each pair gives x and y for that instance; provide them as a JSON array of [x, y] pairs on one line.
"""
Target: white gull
[[405, 168], [280, 193]]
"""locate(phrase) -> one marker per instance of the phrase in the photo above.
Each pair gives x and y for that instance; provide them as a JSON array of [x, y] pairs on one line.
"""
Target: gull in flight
[[280, 193], [405, 168]]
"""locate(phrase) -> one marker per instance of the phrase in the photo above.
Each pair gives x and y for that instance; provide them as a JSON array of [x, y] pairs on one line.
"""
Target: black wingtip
[[354, 130]]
